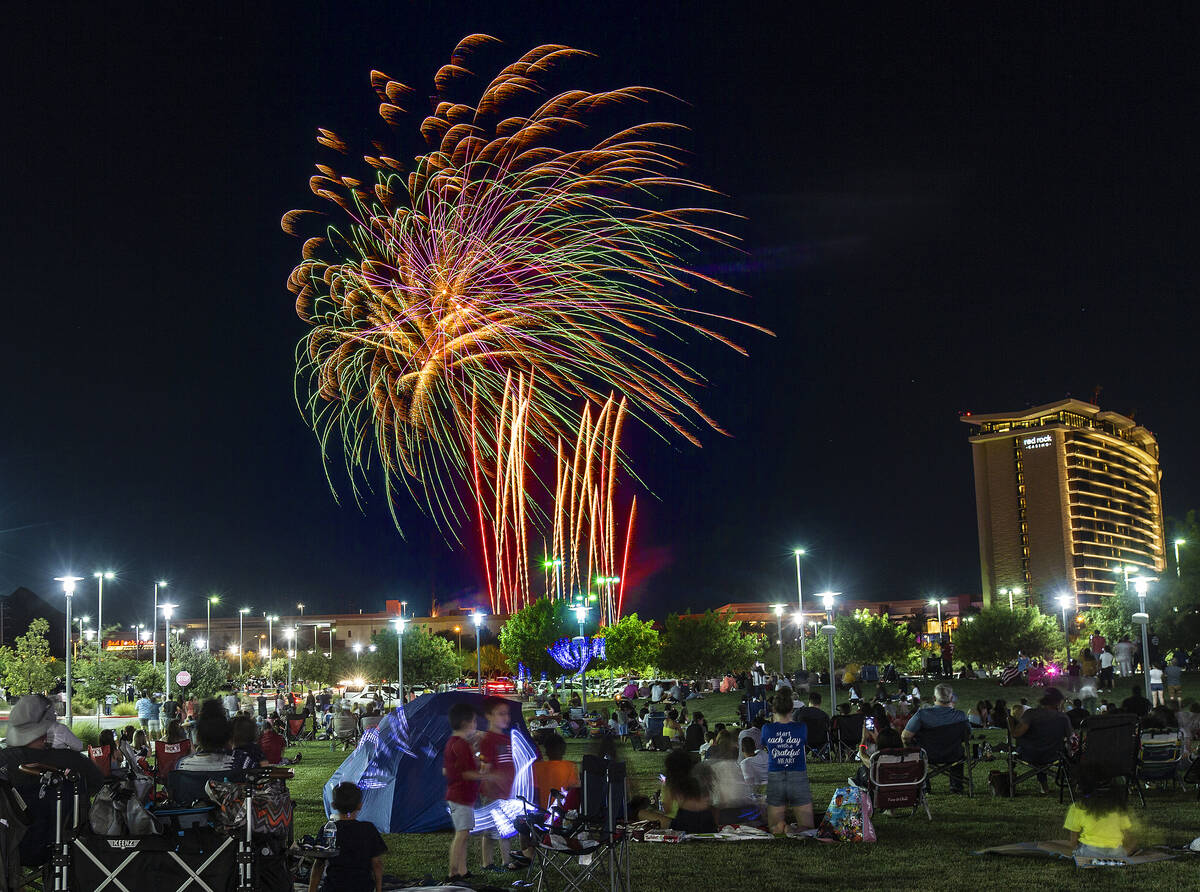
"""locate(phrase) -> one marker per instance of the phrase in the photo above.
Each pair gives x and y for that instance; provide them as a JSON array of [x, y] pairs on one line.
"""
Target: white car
[[364, 698]]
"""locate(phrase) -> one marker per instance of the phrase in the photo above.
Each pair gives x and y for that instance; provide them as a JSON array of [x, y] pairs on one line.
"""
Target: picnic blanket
[[1060, 848]]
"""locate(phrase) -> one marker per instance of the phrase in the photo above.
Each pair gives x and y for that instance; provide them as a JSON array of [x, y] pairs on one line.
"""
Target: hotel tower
[[1068, 503]]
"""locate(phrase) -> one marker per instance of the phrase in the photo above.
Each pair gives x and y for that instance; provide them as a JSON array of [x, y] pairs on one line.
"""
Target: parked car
[[364, 698]]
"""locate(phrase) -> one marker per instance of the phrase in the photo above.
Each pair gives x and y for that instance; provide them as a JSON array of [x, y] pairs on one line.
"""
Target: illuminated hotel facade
[[1068, 502]]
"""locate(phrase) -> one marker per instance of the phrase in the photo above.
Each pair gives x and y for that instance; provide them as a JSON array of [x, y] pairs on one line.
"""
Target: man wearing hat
[[31, 724]]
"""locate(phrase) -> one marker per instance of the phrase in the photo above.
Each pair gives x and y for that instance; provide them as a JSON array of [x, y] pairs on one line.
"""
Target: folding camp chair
[[1023, 767], [1192, 775], [845, 733], [947, 749], [1108, 748], [655, 722], [897, 780], [592, 849], [165, 757], [101, 757], [817, 741], [1160, 754], [297, 729]]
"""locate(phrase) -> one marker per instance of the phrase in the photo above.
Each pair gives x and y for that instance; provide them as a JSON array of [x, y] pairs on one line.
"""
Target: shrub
[[125, 709], [88, 732]]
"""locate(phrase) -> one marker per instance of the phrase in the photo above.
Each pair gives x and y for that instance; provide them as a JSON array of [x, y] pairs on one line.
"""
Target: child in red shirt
[[495, 756], [462, 786]]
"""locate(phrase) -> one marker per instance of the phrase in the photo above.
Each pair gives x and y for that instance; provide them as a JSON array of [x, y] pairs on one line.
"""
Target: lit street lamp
[[270, 646], [458, 632], [1141, 585], [1064, 601], [166, 609], [477, 618], [68, 584], [241, 638], [938, 602], [82, 620], [1178, 542], [400, 657], [800, 603], [779, 619], [829, 629], [212, 599], [581, 615], [300, 607], [289, 634], [357, 650], [1015, 590], [137, 635], [162, 583]]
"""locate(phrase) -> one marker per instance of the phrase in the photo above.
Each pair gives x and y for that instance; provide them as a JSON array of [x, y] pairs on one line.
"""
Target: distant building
[[1068, 502]]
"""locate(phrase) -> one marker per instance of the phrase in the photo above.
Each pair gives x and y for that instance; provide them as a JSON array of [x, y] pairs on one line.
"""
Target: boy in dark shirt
[[462, 786], [359, 864]]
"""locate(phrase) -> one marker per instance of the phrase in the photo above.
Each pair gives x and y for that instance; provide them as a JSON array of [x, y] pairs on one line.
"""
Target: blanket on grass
[[1061, 848]]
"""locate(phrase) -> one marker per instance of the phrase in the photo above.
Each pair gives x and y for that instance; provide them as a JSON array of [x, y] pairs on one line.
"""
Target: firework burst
[[522, 241]]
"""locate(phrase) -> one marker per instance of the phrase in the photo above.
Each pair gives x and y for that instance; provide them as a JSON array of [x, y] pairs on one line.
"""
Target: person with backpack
[[785, 741]]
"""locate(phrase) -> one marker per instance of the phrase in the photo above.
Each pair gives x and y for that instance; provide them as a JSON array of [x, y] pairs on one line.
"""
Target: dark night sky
[[946, 210]]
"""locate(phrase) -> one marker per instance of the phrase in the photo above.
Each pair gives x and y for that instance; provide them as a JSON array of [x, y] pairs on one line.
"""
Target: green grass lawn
[[911, 852]]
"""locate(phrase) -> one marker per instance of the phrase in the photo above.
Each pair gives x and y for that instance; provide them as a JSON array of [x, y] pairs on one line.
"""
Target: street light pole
[[581, 615], [800, 603], [779, 619], [68, 584], [829, 630], [1142, 584], [100, 577], [477, 618], [154, 616], [400, 657], [271, 647], [1063, 601], [289, 635], [82, 620], [166, 609], [1178, 542], [213, 599], [241, 637]]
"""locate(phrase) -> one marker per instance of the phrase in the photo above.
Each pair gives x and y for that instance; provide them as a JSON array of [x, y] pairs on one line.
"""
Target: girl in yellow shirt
[[1099, 820]]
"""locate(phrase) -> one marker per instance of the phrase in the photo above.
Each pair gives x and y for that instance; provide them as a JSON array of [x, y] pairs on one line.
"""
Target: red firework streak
[[582, 514]]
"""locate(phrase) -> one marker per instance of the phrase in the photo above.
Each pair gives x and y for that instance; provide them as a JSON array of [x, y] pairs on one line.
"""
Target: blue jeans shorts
[[788, 788]]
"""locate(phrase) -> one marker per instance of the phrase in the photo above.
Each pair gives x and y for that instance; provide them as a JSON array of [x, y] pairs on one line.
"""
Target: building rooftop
[[1068, 412]]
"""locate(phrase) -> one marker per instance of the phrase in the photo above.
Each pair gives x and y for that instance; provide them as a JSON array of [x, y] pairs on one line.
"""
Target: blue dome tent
[[398, 767]]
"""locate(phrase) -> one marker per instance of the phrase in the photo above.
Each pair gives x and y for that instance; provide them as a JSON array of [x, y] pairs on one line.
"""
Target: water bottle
[[329, 835]]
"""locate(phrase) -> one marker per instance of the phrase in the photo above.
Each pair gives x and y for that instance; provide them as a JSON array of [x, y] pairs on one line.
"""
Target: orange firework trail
[[529, 239]]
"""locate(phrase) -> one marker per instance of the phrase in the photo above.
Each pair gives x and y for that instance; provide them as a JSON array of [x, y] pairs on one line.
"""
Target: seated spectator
[[212, 759], [108, 739], [693, 738], [998, 718], [1040, 732], [175, 732], [685, 798], [815, 719], [554, 773], [29, 722], [1160, 718], [731, 795], [1098, 820], [672, 730], [141, 745], [1077, 713], [245, 741], [675, 692], [940, 714], [754, 766], [1137, 704], [359, 863], [978, 717]]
